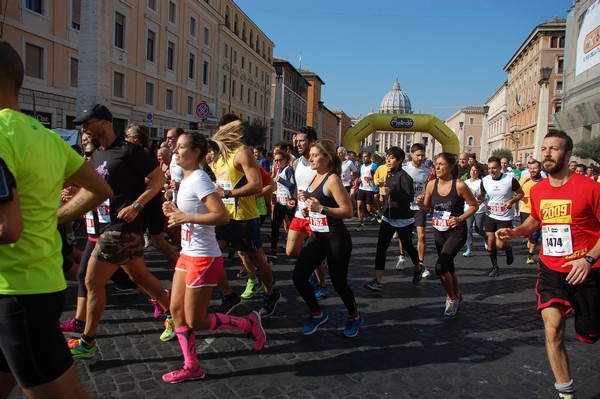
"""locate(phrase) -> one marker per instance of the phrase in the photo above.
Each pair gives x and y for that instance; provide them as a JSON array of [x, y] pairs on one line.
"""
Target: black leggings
[[336, 247], [119, 277], [279, 213], [448, 244], [386, 231]]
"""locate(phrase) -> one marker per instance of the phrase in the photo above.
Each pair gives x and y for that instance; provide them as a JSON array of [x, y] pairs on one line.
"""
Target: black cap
[[98, 111]]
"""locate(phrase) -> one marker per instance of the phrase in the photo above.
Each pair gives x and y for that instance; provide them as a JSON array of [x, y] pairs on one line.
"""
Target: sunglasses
[[278, 159]]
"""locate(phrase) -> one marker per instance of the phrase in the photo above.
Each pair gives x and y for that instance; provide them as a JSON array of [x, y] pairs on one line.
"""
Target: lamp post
[[320, 119], [484, 134], [461, 135], [278, 114], [542, 118]]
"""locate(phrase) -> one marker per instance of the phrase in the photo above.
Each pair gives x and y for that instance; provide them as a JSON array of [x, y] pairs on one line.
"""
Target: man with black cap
[[126, 168]]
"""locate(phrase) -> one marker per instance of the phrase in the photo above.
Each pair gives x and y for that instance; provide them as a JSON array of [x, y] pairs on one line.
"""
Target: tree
[[588, 149], [254, 133], [503, 153]]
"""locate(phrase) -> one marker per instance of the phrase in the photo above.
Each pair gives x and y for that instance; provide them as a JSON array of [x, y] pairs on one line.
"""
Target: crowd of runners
[[210, 196]]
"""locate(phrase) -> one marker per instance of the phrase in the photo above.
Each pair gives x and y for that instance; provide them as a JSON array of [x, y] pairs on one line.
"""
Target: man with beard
[[463, 166], [566, 206], [527, 183]]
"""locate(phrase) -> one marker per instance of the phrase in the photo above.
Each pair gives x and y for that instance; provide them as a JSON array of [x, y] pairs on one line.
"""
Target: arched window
[[471, 141]]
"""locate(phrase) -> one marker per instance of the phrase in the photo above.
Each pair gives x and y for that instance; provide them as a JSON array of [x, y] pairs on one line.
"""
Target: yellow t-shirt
[[40, 160], [380, 173], [239, 208], [526, 184]]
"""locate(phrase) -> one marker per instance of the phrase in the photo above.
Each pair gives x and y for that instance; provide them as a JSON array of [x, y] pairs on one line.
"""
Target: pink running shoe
[[258, 333], [70, 329], [183, 374], [158, 310]]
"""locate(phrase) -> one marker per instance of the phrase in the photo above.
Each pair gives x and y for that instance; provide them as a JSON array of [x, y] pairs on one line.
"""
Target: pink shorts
[[299, 224], [200, 271]]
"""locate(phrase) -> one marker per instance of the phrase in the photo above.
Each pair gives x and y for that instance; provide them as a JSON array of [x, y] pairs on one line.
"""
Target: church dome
[[395, 101]]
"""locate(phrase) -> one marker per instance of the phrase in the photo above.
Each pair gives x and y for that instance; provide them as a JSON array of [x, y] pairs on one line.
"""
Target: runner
[[446, 196], [566, 206], [475, 222], [366, 190], [327, 204], [200, 265], [527, 183]]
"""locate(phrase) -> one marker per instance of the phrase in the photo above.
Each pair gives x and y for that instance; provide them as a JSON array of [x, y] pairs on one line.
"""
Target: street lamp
[[320, 118], [545, 73], [278, 114], [543, 103]]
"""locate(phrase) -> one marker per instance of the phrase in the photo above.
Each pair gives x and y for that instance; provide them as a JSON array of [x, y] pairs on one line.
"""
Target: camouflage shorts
[[117, 248]]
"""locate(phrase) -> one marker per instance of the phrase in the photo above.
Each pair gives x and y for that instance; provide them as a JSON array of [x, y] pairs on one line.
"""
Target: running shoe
[[169, 332], [70, 328], [425, 271], [252, 289], [258, 333], [530, 260], [360, 227], [158, 310], [123, 288], [395, 236], [485, 244], [80, 350], [467, 253], [372, 217], [230, 302], [314, 323], [321, 292], [271, 254], [374, 285], [451, 307], [510, 257], [417, 276], [183, 374], [242, 274], [379, 217], [401, 264], [495, 272], [564, 395], [269, 304], [314, 281], [352, 327]]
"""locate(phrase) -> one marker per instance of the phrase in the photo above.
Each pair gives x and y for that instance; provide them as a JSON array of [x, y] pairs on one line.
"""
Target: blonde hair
[[227, 140], [327, 148]]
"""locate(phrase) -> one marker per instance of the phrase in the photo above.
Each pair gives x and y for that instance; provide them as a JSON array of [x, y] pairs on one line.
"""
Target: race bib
[[282, 195], [318, 222], [441, 220], [89, 223], [185, 235], [104, 212], [496, 209], [227, 186], [557, 240]]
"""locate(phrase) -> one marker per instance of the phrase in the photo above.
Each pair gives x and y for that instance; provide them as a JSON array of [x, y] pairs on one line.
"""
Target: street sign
[[149, 118], [526, 155], [202, 110]]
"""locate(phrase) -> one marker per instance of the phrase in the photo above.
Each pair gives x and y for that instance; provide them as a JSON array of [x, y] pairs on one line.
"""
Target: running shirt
[[570, 218], [228, 177], [285, 182], [420, 178], [175, 170], [366, 171], [317, 220], [475, 187], [527, 184], [304, 175], [124, 166], [348, 168], [197, 239], [445, 206], [498, 192], [39, 159]]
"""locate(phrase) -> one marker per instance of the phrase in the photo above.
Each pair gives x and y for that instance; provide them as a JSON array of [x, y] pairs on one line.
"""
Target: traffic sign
[[202, 110], [526, 155], [149, 118]]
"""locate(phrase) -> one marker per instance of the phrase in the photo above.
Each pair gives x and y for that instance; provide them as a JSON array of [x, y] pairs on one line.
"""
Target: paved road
[[494, 348]]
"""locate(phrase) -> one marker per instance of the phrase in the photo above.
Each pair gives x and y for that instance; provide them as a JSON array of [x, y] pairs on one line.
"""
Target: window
[[255, 96], [241, 92], [243, 62], [471, 141], [191, 66], [471, 121], [119, 30], [233, 88], [226, 51], [34, 61], [171, 56], [249, 96], [118, 85], [34, 5], [560, 64], [149, 94], [74, 72], [207, 36], [169, 100], [205, 72], [559, 86], [152, 5], [172, 12], [224, 84], [192, 27], [76, 14], [235, 56], [150, 46], [250, 67], [190, 105]]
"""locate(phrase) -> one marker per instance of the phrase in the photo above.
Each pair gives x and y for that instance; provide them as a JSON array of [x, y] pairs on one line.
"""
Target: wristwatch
[[138, 206], [226, 194], [324, 210], [589, 259]]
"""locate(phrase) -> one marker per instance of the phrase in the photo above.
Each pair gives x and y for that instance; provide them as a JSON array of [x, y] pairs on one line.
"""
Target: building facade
[[290, 94], [467, 124], [162, 63], [534, 88], [344, 125], [494, 123]]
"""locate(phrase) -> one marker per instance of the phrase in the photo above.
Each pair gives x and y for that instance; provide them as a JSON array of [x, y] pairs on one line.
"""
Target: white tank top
[[304, 175], [498, 192]]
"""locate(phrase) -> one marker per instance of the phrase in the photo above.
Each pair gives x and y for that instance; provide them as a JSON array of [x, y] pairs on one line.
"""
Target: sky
[[446, 54]]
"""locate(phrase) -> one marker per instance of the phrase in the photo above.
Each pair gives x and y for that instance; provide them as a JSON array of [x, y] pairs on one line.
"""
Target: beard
[[558, 166]]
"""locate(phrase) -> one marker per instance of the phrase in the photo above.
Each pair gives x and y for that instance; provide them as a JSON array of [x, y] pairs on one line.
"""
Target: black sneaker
[[230, 302], [269, 304], [417, 276], [495, 272], [510, 257]]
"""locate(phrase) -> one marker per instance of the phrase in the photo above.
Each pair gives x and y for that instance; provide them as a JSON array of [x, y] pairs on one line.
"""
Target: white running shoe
[[401, 264], [424, 271]]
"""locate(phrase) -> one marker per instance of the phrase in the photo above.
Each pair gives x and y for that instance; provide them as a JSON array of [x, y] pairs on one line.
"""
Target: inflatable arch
[[401, 123]]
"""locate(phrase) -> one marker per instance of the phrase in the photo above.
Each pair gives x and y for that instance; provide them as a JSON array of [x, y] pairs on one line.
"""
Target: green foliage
[[503, 153], [588, 149], [254, 133]]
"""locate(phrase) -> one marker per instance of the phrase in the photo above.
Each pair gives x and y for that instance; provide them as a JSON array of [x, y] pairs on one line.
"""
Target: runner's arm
[[245, 162]]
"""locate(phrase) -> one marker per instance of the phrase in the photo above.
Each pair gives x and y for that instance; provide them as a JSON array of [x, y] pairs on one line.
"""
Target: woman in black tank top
[[327, 204], [446, 196]]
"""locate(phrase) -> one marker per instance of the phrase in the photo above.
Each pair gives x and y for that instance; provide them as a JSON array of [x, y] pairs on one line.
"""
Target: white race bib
[[496, 208], [185, 236], [89, 223], [318, 222], [441, 220], [557, 240], [227, 186], [282, 195], [104, 212]]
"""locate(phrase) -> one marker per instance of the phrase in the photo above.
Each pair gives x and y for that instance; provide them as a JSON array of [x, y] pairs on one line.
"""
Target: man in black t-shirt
[[134, 178]]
